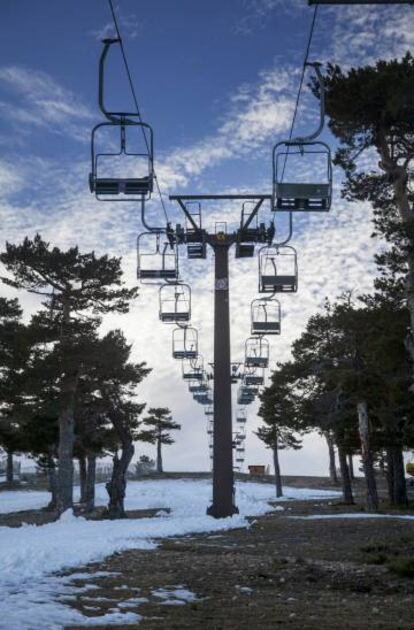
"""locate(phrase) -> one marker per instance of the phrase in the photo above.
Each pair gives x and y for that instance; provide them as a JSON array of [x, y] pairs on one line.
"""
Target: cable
[[135, 99], [302, 78]]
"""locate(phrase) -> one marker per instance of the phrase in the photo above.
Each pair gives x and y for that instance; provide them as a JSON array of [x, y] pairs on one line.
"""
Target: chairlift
[[192, 369], [265, 316], [295, 186], [175, 303], [157, 260], [244, 396], [241, 416], [292, 160], [256, 352], [252, 387], [254, 376], [197, 387], [185, 343], [278, 270], [124, 173], [209, 411]]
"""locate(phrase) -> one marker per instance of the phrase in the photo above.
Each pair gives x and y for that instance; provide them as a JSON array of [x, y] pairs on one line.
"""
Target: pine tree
[[159, 423], [281, 424], [14, 353], [73, 286]]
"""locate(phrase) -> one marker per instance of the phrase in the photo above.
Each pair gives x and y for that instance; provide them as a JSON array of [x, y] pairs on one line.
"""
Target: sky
[[217, 81]]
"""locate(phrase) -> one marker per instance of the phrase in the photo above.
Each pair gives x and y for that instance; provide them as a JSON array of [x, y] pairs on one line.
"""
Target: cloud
[[129, 26], [43, 102]]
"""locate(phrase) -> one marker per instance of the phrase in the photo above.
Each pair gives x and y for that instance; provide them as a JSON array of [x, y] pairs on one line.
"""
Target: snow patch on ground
[[354, 515], [32, 598]]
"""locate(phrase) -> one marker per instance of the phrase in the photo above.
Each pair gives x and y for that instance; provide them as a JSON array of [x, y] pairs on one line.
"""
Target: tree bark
[[90, 483], [367, 459], [278, 478], [351, 466], [66, 442], [399, 177], [347, 495], [332, 463], [9, 467], [116, 487], [82, 478], [159, 455], [53, 485], [399, 484], [390, 474], [66, 418]]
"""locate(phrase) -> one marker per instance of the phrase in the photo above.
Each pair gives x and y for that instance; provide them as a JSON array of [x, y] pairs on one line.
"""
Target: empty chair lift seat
[[278, 284], [266, 327], [302, 196], [114, 186]]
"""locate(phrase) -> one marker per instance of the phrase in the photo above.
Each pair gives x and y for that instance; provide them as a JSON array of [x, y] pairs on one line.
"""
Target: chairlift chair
[[175, 303], [244, 396], [256, 353], [292, 189], [252, 387], [254, 376], [185, 343], [241, 416], [197, 387], [278, 270], [123, 174], [192, 369], [157, 260], [265, 316], [209, 411]]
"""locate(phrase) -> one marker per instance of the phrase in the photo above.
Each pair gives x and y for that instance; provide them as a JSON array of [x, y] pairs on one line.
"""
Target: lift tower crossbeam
[[223, 504]]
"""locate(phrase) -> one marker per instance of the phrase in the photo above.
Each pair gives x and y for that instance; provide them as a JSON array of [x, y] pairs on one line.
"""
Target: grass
[[403, 566]]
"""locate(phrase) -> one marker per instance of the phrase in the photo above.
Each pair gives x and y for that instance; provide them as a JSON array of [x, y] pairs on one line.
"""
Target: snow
[[32, 598], [354, 515]]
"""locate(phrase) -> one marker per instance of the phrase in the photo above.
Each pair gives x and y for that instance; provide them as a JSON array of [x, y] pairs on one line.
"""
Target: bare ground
[[279, 573]]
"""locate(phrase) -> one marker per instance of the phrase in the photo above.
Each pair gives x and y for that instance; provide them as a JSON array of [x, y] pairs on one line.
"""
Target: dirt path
[[281, 572]]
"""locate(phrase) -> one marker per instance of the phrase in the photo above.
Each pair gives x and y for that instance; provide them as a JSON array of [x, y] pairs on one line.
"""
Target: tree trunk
[[399, 177], [53, 485], [347, 495], [332, 463], [82, 478], [399, 486], [351, 466], [117, 486], [90, 483], [66, 442], [367, 459], [9, 467], [66, 418], [390, 474], [278, 478], [159, 455]]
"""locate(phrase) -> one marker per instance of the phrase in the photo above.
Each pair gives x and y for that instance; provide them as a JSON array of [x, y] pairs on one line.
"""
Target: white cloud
[[43, 103]]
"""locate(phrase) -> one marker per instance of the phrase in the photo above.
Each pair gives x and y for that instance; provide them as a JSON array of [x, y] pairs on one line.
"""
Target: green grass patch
[[403, 566]]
